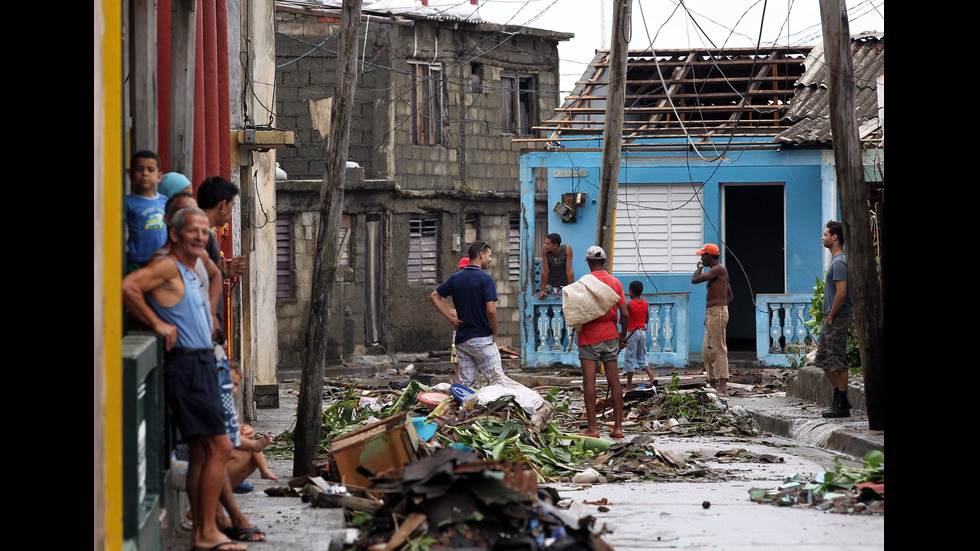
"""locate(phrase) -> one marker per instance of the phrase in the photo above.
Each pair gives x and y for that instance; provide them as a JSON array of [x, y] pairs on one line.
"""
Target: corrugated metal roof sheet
[[809, 112]]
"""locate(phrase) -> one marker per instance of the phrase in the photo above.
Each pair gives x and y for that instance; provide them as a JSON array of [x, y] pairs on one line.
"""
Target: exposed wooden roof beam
[[709, 63], [781, 94], [686, 108], [637, 82], [748, 50]]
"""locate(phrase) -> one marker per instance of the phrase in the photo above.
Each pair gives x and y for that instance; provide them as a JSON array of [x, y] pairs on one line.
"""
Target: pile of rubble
[[679, 409], [848, 490], [866, 498], [454, 499]]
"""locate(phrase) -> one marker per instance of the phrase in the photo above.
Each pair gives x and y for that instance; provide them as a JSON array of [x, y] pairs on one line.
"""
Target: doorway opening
[[754, 253]]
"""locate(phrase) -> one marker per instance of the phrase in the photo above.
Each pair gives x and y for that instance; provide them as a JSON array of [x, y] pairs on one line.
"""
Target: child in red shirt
[[636, 340]]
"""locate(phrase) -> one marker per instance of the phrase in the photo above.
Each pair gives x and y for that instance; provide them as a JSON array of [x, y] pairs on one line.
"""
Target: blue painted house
[[728, 146]]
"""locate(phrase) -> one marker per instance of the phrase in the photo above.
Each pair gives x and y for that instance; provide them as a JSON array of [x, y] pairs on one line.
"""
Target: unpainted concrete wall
[[475, 170]]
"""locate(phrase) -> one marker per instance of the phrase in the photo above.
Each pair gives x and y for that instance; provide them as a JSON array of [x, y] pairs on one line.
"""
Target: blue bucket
[[460, 392]]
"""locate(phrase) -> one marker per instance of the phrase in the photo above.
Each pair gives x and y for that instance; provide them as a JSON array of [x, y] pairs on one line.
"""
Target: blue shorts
[[190, 384], [636, 351], [228, 402]]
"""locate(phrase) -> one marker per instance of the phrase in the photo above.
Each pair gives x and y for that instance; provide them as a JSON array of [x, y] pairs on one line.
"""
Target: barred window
[[422, 241], [284, 251], [514, 254]]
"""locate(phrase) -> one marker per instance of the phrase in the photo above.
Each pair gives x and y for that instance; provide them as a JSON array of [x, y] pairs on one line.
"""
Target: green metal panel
[[144, 445]]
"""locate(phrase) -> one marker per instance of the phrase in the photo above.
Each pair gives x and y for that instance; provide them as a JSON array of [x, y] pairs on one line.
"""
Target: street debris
[[506, 420], [419, 466], [455, 499], [846, 490]]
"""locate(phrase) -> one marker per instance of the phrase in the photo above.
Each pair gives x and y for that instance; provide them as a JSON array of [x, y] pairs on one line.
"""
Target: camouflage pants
[[832, 346]]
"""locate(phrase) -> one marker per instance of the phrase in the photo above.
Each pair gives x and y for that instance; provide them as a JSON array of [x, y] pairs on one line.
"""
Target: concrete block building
[[439, 98]]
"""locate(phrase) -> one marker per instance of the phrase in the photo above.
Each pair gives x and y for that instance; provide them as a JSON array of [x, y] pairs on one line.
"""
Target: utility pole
[[863, 285], [612, 143], [309, 411]]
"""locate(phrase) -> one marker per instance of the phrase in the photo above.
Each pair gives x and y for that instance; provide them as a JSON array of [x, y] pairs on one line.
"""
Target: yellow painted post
[[112, 264]]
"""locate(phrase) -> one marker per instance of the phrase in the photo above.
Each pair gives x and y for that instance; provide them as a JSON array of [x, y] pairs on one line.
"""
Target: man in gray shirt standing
[[832, 346]]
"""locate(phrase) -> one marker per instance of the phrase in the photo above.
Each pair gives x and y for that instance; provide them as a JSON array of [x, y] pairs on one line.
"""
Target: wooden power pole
[[309, 411], [612, 143], [863, 285]]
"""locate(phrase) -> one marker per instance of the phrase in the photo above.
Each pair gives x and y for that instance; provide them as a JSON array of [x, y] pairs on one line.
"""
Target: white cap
[[595, 253]]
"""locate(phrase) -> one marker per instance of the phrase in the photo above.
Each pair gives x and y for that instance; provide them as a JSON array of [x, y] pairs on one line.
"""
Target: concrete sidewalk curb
[[802, 422]]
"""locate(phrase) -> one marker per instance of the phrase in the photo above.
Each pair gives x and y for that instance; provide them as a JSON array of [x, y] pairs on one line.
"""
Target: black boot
[[833, 404], [842, 408]]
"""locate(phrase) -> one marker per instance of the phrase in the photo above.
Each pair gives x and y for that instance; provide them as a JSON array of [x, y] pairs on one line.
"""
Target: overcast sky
[[667, 24]]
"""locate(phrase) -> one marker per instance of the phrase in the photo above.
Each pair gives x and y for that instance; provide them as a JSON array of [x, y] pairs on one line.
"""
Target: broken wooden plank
[[318, 498], [412, 521]]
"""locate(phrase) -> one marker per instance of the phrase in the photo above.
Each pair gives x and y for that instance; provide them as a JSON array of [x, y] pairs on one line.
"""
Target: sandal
[[244, 534]]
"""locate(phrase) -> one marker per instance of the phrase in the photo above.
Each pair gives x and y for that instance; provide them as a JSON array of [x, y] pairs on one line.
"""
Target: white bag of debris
[[501, 385], [585, 300]]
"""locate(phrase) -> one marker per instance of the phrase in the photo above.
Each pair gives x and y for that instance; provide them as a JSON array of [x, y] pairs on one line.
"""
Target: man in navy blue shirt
[[475, 297]]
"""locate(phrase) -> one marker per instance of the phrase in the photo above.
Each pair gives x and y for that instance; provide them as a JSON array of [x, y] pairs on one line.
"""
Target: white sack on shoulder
[[586, 300]]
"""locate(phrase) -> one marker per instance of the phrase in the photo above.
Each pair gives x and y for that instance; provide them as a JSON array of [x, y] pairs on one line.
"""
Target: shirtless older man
[[165, 296], [714, 351]]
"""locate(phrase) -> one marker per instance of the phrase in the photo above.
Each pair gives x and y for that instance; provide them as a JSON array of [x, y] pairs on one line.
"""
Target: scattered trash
[[501, 385], [460, 392], [448, 466], [423, 429], [432, 398], [588, 476], [846, 490]]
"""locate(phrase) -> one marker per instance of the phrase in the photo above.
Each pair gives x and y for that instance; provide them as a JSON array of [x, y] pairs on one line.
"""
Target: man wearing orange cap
[[714, 351]]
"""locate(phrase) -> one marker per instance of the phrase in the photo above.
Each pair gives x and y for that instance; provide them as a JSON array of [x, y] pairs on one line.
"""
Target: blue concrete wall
[[803, 173]]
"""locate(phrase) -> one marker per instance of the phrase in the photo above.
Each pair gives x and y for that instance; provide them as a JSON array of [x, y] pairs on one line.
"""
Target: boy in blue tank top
[[146, 230]]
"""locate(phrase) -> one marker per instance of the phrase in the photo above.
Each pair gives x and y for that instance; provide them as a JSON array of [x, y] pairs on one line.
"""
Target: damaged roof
[[809, 113], [460, 11], [776, 93], [703, 93], [443, 10]]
